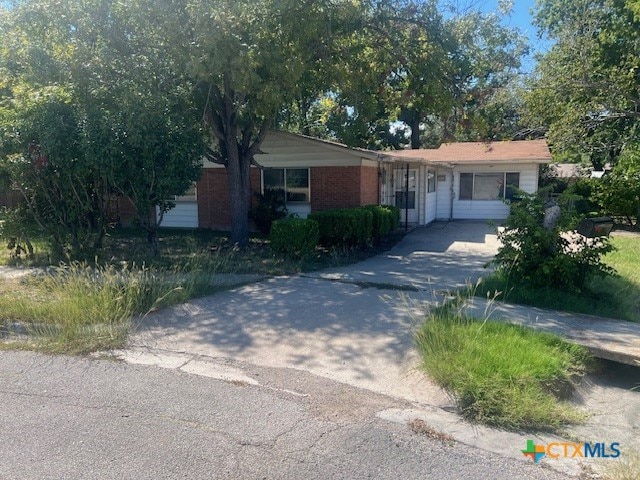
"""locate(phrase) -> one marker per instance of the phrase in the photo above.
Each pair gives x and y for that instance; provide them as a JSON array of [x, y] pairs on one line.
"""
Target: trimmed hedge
[[344, 227], [294, 237], [386, 218]]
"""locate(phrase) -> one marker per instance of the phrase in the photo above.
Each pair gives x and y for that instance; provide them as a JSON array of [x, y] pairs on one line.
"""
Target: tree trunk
[[152, 241], [238, 176], [415, 133]]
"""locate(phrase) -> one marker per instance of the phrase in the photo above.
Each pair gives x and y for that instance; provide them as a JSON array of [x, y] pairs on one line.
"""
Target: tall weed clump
[[502, 375], [78, 308]]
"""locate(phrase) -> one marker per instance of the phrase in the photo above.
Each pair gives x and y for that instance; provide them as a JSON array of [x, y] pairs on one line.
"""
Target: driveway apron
[[347, 324]]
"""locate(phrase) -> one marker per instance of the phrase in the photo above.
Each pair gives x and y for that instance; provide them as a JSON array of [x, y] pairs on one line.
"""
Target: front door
[[406, 199]]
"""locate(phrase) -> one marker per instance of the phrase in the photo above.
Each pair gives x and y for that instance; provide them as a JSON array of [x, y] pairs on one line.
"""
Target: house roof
[[525, 151], [360, 152], [570, 170]]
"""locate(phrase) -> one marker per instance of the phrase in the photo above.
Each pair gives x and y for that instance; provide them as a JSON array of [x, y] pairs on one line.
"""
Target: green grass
[[502, 375], [80, 309], [615, 297]]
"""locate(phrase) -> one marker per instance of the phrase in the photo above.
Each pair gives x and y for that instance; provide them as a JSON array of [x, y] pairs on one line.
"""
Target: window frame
[[431, 180], [506, 194], [285, 183]]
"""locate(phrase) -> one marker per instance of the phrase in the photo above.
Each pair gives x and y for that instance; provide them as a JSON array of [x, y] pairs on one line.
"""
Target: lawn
[[180, 247], [615, 297], [502, 375]]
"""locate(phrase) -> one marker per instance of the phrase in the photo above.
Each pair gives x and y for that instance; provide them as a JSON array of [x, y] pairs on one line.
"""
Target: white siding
[[183, 215], [443, 194], [491, 209], [421, 195], [432, 198], [299, 209]]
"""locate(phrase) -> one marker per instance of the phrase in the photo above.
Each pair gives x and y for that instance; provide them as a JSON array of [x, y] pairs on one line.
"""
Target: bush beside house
[[386, 218], [344, 227], [294, 237], [356, 227]]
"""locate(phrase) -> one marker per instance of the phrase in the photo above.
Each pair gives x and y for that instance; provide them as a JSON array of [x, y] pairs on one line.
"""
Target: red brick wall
[[334, 187], [125, 212], [214, 206], [369, 188], [122, 212], [338, 187], [331, 187]]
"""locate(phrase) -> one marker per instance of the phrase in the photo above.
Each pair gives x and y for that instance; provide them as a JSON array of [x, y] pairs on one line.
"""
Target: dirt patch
[[420, 427]]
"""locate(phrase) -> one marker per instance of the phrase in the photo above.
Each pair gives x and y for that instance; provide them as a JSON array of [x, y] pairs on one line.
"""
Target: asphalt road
[[78, 418]]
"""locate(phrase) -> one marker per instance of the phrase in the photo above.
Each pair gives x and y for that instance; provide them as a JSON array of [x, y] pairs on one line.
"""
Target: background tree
[[410, 75], [618, 193], [586, 89]]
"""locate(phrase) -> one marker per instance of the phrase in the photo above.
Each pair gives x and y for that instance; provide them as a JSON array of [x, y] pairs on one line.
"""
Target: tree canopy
[[586, 89], [136, 78], [93, 108], [412, 74]]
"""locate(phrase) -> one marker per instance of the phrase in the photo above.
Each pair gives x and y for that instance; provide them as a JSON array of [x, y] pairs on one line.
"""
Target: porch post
[[406, 201]]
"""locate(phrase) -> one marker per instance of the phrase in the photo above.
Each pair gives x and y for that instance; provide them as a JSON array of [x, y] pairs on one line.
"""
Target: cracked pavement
[[69, 418]]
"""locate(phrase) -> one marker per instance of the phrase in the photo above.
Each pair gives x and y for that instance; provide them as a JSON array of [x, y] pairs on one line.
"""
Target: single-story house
[[455, 181], [468, 180]]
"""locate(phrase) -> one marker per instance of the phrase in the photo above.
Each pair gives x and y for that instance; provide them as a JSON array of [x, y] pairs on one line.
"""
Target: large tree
[[89, 91], [413, 75], [252, 57], [586, 89]]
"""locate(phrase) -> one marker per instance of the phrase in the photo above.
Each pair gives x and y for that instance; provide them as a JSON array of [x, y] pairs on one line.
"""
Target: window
[[431, 181], [489, 186], [466, 186], [401, 200], [189, 196], [513, 184], [291, 183]]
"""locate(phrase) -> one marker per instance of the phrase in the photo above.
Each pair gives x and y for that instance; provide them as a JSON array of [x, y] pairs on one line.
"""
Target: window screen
[[513, 184], [488, 186], [466, 186]]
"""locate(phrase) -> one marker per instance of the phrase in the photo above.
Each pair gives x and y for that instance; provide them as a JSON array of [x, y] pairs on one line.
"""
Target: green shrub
[[536, 256], [16, 230], [395, 215], [580, 196], [618, 193], [344, 227], [271, 207], [296, 237], [385, 219]]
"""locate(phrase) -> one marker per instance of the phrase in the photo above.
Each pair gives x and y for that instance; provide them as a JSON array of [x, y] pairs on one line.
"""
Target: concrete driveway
[[355, 325], [334, 323], [442, 256]]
